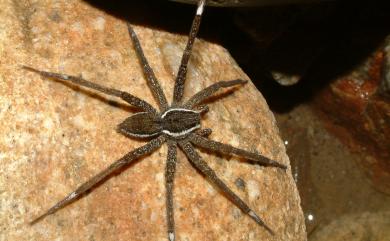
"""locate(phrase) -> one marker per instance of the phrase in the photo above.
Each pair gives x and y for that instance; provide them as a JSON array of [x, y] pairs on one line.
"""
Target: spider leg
[[125, 160], [148, 71], [181, 75], [202, 109], [204, 132], [169, 177], [228, 149], [207, 92], [135, 101], [209, 173]]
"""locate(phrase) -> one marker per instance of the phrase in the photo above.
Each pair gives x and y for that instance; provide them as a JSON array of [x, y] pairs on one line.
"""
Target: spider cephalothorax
[[177, 124]]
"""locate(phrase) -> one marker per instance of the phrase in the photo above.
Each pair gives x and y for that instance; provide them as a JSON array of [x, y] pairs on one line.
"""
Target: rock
[[357, 227], [357, 108], [384, 87], [55, 136]]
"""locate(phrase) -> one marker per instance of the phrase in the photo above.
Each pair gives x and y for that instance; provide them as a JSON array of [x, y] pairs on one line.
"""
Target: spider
[[177, 124]]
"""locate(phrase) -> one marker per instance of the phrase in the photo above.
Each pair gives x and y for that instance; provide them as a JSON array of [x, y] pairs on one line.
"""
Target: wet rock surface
[[55, 136], [330, 180], [357, 109], [358, 227]]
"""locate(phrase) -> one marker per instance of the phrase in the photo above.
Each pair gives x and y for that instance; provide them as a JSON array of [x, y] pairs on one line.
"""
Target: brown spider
[[177, 124]]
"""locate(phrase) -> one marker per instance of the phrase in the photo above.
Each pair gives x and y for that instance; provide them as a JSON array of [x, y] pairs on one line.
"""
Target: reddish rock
[[358, 111]]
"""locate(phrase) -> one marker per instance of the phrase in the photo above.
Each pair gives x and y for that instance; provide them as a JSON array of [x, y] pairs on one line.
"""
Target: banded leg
[[181, 75], [125, 160], [207, 92], [169, 179], [209, 173], [228, 149], [148, 71], [204, 132], [202, 109], [135, 101]]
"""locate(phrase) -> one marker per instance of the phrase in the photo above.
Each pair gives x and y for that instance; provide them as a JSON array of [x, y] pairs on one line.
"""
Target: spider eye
[[141, 125]]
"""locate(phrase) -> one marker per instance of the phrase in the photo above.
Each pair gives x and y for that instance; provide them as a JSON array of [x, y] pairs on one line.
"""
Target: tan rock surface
[[55, 136]]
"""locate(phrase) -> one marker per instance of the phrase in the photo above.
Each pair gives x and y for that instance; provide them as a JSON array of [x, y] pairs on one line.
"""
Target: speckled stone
[[56, 136], [357, 227]]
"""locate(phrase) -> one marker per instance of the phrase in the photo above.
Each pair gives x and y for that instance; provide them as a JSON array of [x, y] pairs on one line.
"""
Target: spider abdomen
[[142, 125], [178, 122]]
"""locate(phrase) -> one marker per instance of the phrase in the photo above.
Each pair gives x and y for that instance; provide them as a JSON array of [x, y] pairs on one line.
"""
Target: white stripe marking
[[71, 196], [171, 236], [254, 215], [199, 11], [177, 109], [174, 134], [138, 135], [65, 77]]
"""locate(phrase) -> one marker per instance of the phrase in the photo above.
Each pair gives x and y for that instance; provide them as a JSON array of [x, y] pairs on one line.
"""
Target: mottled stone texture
[[358, 107], [357, 227], [55, 136]]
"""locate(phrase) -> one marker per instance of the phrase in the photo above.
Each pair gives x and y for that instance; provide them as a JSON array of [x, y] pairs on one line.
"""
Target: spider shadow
[[221, 95], [96, 95], [101, 182], [226, 158], [117, 172]]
